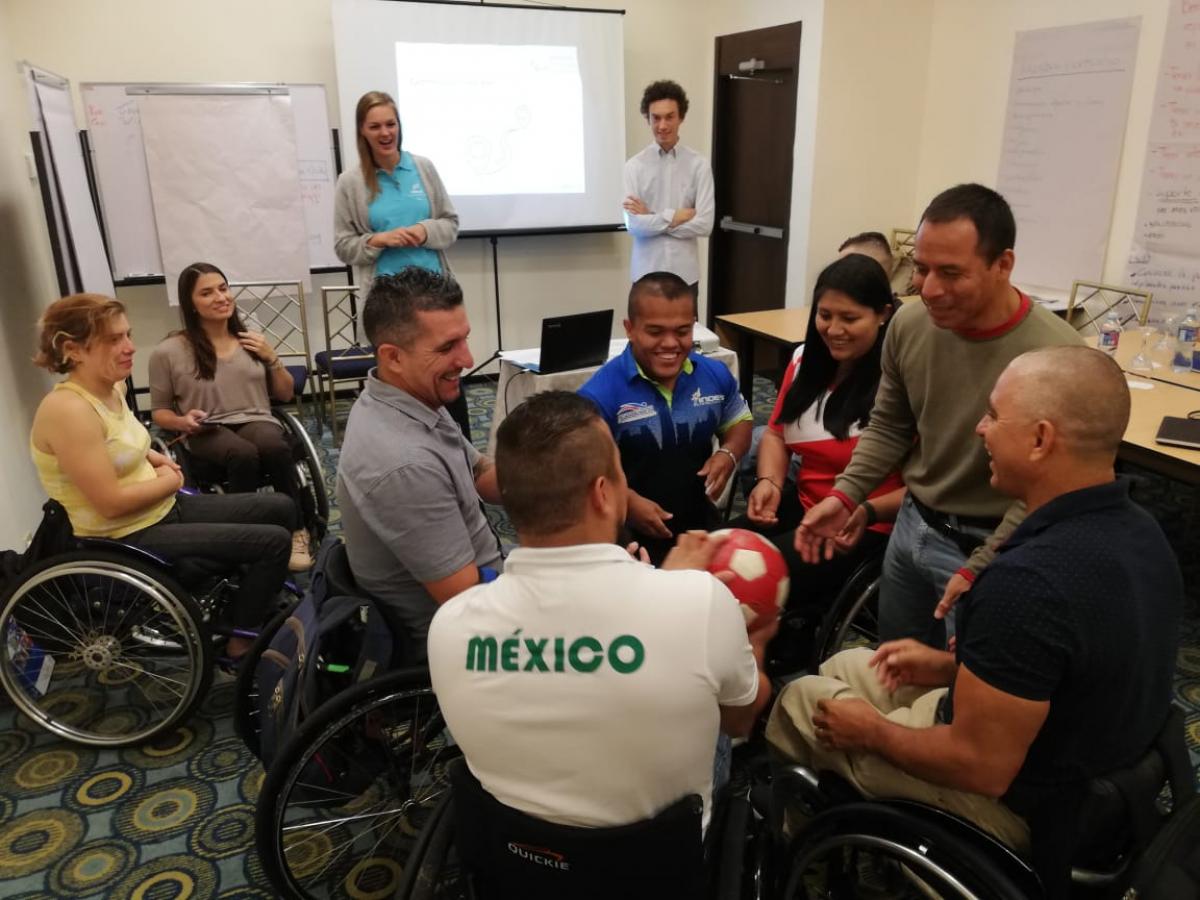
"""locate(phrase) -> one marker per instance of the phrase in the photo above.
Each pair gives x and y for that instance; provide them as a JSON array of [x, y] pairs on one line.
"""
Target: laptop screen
[[575, 342]]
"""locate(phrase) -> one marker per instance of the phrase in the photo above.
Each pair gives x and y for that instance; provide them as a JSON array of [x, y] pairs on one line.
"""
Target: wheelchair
[[346, 795], [475, 847], [208, 477], [343, 804], [1085, 842], [851, 620], [103, 644]]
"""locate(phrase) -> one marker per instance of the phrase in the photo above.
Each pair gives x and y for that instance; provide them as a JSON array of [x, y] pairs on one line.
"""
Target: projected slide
[[495, 119]]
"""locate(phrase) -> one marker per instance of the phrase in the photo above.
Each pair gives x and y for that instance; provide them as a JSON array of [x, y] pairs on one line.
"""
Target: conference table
[[1152, 396], [1127, 349], [785, 328], [1147, 407], [516, 382]]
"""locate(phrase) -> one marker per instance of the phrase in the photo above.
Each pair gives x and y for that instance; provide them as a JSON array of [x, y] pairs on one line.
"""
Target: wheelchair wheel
[[309, 474], [102, 649], [246, 700], [878, 850], [853, 618], [343, 804]]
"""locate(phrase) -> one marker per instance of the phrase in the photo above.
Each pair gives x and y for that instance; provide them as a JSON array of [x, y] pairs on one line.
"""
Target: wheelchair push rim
[[344, 804], [101, 650]]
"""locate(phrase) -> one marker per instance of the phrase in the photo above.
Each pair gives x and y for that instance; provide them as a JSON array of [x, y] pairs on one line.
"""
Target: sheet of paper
[[225, 183]]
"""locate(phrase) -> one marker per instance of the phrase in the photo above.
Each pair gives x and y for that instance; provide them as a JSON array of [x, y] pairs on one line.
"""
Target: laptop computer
[[1179, 432], [578, 341]]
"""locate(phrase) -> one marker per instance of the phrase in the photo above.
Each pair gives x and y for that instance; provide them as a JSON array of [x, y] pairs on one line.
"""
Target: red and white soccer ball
[[760, 580]]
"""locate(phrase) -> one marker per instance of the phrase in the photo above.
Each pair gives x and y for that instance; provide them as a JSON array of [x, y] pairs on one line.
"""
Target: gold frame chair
[[278, 310], [1093, 308], [344, 349], [904, 242]]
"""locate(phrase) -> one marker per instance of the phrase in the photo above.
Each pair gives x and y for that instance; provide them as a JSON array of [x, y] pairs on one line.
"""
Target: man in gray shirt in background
[[409, 484]]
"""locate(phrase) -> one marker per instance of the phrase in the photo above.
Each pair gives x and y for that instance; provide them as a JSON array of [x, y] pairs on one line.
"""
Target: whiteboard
[[1165, 254], [123, 181], [1068, 100]]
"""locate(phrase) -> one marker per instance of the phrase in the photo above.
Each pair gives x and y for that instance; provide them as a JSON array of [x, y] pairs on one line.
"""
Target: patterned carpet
[[176, 819]]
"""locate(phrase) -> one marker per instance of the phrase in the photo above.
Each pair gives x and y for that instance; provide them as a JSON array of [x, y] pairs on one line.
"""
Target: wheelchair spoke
[[127, 663], [50, 590], [49, 617], [162, 679]]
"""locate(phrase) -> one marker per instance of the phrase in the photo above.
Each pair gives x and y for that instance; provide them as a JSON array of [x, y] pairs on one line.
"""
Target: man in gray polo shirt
[[409, 484]]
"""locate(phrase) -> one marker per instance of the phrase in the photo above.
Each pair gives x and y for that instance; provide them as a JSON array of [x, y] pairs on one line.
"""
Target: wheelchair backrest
[[508, 853], [330, 641], [1088, 833]]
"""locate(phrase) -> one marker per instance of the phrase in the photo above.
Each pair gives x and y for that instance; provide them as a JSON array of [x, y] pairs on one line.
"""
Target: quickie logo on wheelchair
[[540, 856]]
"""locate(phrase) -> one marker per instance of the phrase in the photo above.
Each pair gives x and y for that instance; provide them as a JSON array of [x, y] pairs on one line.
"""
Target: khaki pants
[[790, 731]]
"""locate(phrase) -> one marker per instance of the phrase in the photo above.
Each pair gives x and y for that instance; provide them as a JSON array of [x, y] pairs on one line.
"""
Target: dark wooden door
[[754, 127]]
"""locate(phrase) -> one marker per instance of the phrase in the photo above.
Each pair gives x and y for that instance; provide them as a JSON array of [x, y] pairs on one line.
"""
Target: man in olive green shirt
[[940, 360]]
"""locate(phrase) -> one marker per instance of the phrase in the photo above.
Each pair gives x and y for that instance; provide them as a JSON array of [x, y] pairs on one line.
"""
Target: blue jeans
[[918, 563]]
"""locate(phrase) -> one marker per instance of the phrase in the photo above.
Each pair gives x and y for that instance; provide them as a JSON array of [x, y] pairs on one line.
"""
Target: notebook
[[578, 341], [1179, 432]]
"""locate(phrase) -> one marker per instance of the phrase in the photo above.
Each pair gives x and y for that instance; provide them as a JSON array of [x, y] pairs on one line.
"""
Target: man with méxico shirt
[[1066, 644], [583, 686], [669, 197], [940, 359], [409, 484], [664, 405]]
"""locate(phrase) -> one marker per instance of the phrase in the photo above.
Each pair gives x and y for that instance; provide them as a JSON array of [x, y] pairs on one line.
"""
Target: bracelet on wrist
[[872, 512], [769, 481], [728, 453]]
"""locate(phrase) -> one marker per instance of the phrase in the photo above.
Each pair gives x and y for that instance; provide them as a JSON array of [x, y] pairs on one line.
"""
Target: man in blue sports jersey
[[664, 405]]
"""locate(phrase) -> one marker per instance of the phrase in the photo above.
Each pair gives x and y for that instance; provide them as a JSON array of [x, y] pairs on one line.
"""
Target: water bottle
[[1185, 341], [1110, 334]]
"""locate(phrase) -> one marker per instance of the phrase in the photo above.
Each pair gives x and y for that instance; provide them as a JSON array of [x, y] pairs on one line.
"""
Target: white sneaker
[[301, 560]]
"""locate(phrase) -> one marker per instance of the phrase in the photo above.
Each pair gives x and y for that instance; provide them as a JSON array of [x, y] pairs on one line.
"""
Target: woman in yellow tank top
[[93, 456]]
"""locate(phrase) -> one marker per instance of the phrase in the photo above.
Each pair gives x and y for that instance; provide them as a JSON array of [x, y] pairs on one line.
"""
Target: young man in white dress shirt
[[669, 192]]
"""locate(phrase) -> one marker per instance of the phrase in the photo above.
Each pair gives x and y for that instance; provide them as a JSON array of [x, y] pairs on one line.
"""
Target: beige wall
[[24, 282], [970, 59], [872, 88]]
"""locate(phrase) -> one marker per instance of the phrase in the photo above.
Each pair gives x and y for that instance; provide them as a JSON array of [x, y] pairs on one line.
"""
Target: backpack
[[330, 642], [53, 536]]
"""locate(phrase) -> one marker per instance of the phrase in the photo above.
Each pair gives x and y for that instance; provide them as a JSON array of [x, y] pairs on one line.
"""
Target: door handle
[[728, 223]]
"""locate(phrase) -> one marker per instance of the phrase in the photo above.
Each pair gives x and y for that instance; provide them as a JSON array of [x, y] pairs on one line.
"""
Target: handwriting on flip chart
[[1165, 252], [1067, 104]]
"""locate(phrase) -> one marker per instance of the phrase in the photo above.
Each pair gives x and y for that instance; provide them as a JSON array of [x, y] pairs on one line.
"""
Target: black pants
[[247, 453], [250, 530]]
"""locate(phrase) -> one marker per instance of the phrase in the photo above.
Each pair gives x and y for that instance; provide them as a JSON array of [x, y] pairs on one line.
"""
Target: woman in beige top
[[214, 381], [93, 456]]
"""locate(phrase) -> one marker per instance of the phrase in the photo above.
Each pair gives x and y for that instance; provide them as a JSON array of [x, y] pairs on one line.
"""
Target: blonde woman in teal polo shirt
[[391, 210]]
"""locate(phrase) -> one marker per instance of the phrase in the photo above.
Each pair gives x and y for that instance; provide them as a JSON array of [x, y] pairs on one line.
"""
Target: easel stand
[[496, 284]]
